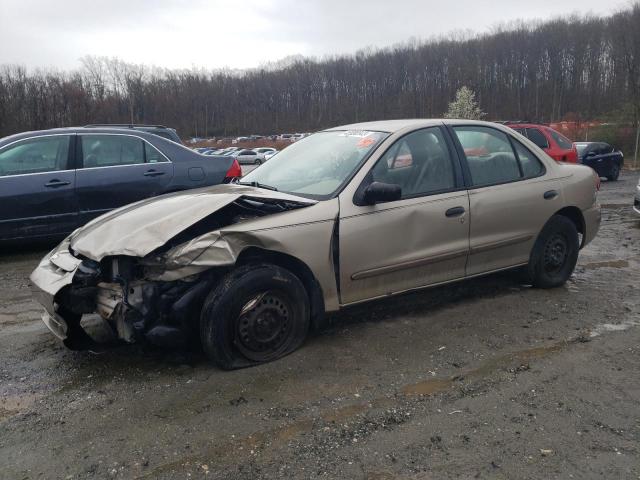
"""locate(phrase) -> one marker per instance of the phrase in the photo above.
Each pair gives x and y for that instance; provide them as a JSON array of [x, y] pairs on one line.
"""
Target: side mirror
[[378, 192]]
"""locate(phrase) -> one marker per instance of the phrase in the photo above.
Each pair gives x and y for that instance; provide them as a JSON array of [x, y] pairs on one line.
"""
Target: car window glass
[[37, 155], [561, 140], [419, 162], [531, 166], [152, 155], [111, 150], [537, 137], [489, 155]]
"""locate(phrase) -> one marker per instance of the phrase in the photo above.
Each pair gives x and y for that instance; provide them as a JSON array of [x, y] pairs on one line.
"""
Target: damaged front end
[[149, 282], [136, 309]]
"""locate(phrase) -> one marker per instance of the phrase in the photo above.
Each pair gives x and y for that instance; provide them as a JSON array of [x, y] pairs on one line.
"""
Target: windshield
[[317, 166]]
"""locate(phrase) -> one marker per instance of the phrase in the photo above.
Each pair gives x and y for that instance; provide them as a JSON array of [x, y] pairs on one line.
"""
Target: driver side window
[[420, 163]]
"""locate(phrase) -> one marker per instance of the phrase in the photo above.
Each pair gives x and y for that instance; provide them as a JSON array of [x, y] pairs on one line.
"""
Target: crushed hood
[[142, 227]]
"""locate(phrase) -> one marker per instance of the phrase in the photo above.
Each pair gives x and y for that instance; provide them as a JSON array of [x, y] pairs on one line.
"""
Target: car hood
[[140, 228]]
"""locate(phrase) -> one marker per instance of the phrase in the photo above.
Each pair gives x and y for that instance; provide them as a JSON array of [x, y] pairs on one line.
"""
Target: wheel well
[[299, 269], [575, 215]]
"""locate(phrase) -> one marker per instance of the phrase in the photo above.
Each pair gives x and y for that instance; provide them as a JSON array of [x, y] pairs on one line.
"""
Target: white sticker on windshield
[[356, 133]]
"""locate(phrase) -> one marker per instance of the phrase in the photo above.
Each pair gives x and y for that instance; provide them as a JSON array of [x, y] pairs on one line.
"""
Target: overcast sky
[[244, 33]]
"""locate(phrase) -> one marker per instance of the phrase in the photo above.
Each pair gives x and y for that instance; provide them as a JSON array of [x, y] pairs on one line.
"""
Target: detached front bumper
[[636, 201], [54, 272]]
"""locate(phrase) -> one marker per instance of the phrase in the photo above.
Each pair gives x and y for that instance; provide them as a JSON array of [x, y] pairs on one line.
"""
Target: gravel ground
[[483, 379]]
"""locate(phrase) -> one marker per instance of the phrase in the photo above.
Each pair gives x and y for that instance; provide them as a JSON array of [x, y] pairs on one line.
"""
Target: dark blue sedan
[[53, 181]]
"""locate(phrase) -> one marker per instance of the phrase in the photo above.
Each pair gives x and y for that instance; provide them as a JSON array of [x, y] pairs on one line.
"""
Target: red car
[[557, 146]]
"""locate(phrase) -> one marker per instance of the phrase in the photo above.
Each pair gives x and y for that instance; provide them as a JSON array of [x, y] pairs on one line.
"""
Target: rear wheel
[[258, 162], [258, 313], [555, 253], [614, 173]]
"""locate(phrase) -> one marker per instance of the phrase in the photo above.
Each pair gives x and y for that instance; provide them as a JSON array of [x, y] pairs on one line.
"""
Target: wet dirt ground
[[483, 379]]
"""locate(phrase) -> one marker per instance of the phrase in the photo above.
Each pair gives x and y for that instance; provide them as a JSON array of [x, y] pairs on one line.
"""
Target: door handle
[[56, 183], [550, 194], [152, 173], [455, 212]]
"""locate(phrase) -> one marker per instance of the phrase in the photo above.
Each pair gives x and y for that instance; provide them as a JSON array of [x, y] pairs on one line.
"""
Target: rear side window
[[111, 150], [531, 166], [490, 158], [36, 155], [152, 155], [537, 137], [561, 140]]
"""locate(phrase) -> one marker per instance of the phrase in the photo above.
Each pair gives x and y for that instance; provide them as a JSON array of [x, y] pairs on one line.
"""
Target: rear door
[[511, 197], [37, 188], [117, 169]]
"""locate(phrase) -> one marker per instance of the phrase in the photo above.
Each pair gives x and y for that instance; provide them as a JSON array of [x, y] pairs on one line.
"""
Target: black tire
[[275, 324], [258, 162], [614, 173], [555, 253]]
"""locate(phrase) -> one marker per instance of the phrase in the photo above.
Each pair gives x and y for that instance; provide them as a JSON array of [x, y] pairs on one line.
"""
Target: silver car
[[344, 216]]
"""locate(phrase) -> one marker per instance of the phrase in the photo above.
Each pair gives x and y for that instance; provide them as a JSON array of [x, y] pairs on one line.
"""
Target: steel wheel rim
[[264, 326], [556, 253]]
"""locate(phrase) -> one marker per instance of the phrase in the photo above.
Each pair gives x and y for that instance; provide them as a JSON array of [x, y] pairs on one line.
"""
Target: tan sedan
[[341, 217]]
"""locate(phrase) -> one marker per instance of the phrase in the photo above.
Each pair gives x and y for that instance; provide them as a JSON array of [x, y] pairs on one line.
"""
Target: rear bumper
[[592, 217]]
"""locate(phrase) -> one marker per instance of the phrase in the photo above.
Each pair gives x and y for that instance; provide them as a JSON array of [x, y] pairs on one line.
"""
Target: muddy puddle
[[607, 264], [11, 405]]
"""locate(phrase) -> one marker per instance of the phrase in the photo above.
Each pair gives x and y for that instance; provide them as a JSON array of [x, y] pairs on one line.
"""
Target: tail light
[[235, 171]]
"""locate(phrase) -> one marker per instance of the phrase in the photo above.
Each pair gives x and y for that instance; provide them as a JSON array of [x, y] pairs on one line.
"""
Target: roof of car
[[392, 126], [72, 130]]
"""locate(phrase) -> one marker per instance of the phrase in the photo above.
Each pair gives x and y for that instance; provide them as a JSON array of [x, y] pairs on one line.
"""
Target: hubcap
[[555, 253], [263, 326]]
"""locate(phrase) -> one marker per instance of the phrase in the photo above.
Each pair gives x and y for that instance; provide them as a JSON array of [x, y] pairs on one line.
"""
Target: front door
[[420, 239], [37, 188]]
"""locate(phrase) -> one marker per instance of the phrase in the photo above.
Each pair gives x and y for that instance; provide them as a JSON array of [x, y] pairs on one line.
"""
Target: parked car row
[[255, 156], [600, 156]]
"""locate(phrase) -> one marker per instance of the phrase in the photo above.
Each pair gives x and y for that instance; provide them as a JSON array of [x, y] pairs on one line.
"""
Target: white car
[[266, 152], [249, 157]]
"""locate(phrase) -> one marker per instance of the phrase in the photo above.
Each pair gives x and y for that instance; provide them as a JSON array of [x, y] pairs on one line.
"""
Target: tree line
[[584, 67]]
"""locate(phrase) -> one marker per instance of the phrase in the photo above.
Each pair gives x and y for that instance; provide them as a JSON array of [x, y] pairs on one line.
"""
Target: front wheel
[[258, 313], [555, 253], [258, 162]]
